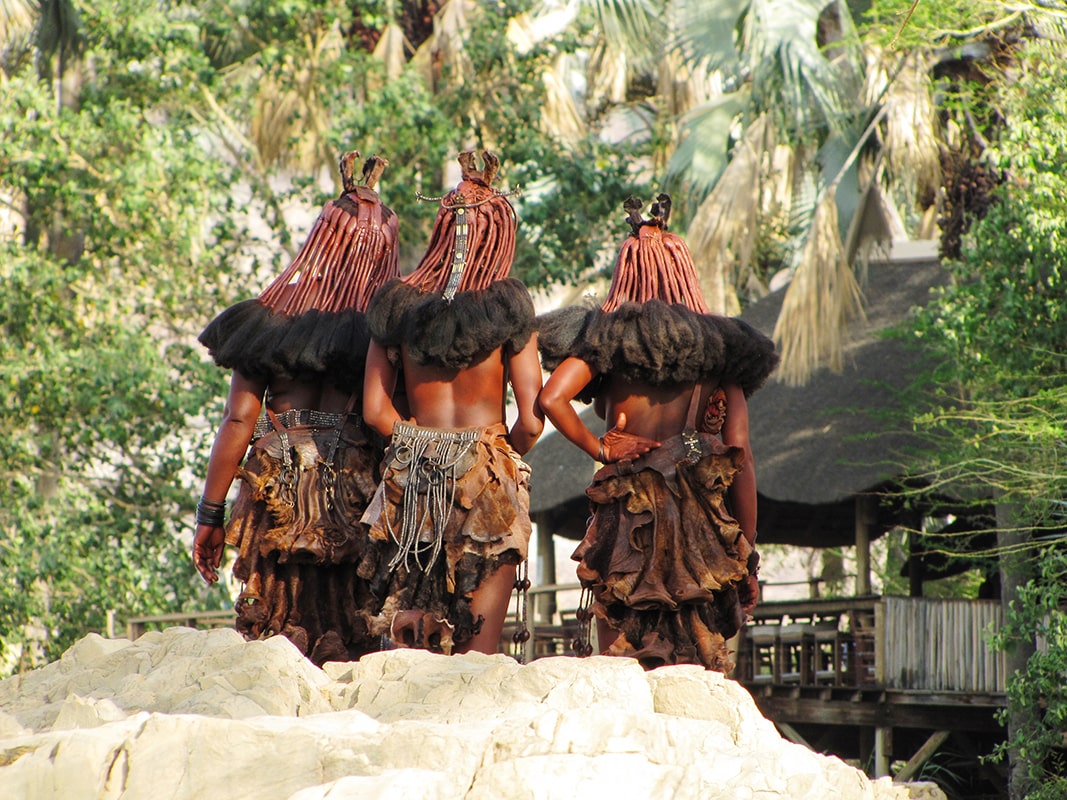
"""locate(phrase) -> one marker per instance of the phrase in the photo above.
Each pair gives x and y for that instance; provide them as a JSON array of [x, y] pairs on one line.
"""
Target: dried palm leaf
[[819, 303], [684, 85], [723, 230], [547, 22], [450, 28], [393, 50], [871, 228], [289, 122], [560, 117], [911, 138], [636, 27], [17, 18], [606, 76]]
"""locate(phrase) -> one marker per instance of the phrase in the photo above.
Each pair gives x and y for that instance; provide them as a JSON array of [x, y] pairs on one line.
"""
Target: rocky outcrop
[[187, 714]]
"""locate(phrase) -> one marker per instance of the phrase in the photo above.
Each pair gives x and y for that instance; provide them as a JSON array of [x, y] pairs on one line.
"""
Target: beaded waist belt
[[297, 417]]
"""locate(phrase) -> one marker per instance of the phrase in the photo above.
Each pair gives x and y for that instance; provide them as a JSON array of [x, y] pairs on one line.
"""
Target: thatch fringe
[[822, 299], [722, 234]]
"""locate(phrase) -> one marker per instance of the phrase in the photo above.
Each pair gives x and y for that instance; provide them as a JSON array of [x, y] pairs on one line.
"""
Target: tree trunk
[[1016, 569]]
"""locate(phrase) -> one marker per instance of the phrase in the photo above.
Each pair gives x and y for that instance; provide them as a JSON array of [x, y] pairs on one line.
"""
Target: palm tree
[[794, 142], [768, 146]]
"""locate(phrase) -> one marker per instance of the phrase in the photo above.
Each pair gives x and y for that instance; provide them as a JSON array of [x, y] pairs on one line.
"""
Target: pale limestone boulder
[[408, 784], [180, 670], [195, 714], [186, 757], [10, 727], [86, 712]]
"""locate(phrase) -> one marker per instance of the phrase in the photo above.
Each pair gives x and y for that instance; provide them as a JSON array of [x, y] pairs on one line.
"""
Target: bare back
[[654, 412], [284, 394], [442, 397]]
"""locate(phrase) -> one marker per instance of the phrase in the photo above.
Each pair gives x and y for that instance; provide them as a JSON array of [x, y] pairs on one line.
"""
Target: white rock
[[186, 715], [408, 784], [86, 712]]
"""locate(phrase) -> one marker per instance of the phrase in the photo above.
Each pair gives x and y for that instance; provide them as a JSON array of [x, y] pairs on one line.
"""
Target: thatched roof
[[816, 446], [836, 437]]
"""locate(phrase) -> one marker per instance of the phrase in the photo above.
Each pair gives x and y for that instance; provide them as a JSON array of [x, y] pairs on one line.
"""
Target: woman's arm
[[569, 378], [742, 491], [379, 379], [524, 374], [239, 416], [555, 400]]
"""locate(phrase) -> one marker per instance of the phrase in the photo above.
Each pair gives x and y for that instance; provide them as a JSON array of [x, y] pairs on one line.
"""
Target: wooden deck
[[880, 680], [890, 642]]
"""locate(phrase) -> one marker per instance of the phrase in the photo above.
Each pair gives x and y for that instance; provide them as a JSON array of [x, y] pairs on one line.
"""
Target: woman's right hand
[[208, 543], [618, 445]]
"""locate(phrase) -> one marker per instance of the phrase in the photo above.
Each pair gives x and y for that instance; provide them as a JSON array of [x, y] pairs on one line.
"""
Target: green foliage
[[912, 26], [1040, 613], [998, 420], [103, 295], [149, 195], [999, 324]]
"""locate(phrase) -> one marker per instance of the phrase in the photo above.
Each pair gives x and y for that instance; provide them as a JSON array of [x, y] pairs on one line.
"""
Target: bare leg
[[490, 601], [605, 635]]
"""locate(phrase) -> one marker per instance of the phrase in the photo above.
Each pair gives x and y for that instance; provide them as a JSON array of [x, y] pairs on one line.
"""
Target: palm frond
[[910, 142], [17, 18], [450, 28], [789, 71], [59, 29], [606, 78], [682, 86], [840, 161], [722, 234], [821, 300], [706, 32], [635, 27], [393, 50], [560, 116], [871, 229], [290, 124], [707, 130]]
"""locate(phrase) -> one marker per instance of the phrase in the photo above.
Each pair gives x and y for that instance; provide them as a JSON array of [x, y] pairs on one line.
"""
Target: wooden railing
[[138, 626], [892, 642], [551, 631]]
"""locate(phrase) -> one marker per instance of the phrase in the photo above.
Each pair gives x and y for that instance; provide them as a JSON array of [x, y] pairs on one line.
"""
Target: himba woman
[[669, 554], [297, 353], [450, 521]]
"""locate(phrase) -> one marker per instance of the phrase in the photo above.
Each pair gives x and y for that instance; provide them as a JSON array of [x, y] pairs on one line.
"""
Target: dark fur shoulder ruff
[[251, 338], [659, 344], [457, 334]]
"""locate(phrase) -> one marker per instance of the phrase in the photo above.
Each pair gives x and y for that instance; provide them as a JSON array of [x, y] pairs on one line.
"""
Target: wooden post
[[879, 642], [865, 517], [883, 746], [916, 762], [545, 606]]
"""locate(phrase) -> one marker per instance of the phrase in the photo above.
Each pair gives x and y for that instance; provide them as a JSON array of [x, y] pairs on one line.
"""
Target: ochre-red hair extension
[[350, 252]]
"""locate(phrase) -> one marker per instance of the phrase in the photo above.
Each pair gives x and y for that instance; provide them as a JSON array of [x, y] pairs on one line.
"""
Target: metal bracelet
[[208, 513]]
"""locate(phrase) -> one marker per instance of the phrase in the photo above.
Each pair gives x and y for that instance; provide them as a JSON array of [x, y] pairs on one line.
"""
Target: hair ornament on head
[[350, 252], [473, 239], [653, 263]]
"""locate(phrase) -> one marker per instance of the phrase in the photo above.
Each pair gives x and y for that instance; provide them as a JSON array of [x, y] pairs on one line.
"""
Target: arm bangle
[[600, 452], [208, 513]]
